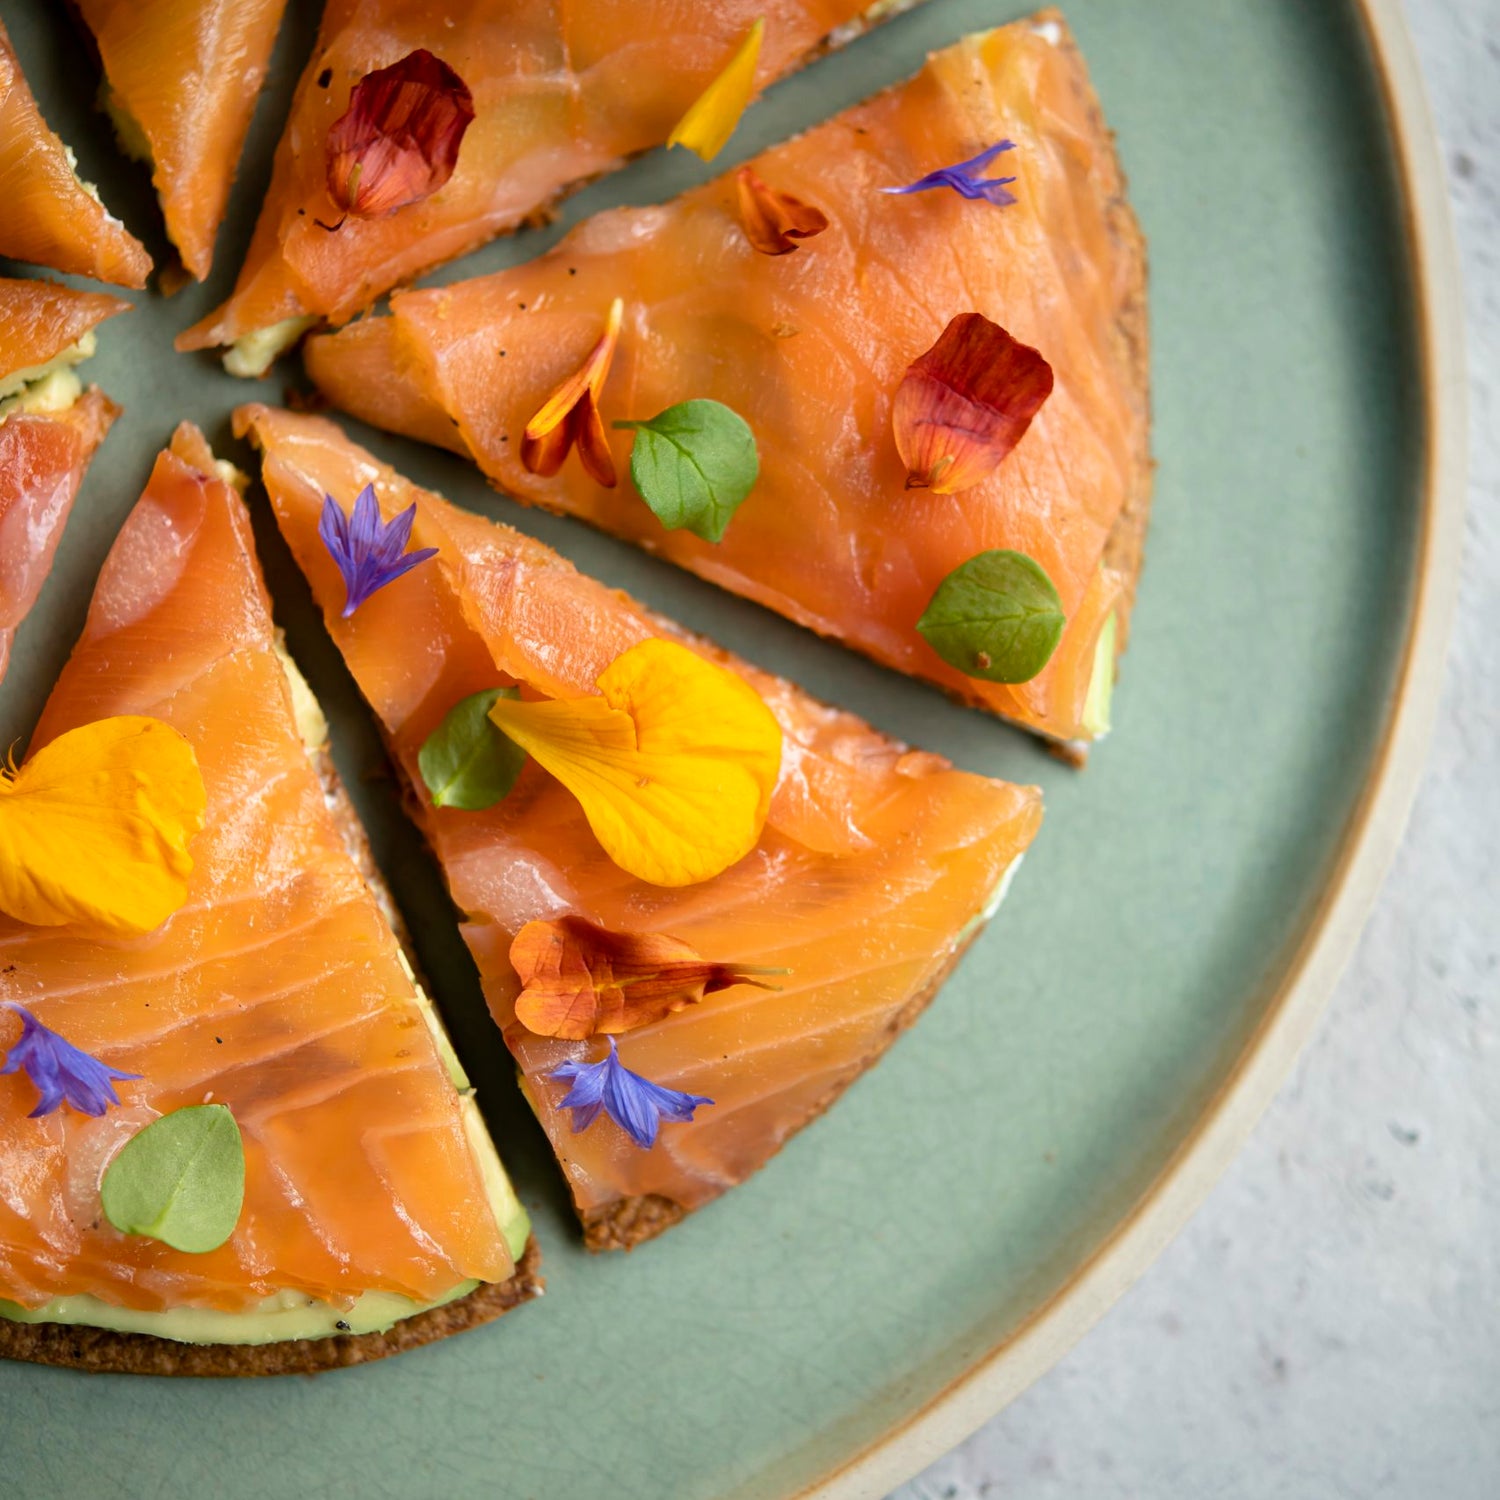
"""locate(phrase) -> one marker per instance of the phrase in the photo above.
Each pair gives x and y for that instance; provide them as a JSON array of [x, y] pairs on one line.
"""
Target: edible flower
[[60, 1070], [712, 116], [571, 414], [370, 552], [398, 141], [964, 404], [774, 221], [673, 763], [580, 980], [966, 178], [94, 828], [635, 1104]]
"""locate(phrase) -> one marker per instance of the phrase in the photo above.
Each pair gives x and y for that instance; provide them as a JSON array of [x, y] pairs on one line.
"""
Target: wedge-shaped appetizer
[[418, 133], [233, 1136], [49, 217], [181, 78], [673, 1025], [49, 429], [946, 386]]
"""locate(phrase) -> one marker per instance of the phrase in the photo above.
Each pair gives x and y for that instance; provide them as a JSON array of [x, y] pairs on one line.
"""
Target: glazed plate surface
[[1082, 1077]]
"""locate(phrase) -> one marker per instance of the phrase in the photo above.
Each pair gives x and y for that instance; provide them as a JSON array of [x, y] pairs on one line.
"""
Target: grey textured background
[[1329, 1324]]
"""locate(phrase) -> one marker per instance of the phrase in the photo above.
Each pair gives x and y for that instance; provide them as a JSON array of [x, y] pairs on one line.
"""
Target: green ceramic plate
[[912, 1259]]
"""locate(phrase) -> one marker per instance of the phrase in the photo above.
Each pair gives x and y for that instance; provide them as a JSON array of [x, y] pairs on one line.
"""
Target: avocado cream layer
[[52, 387]]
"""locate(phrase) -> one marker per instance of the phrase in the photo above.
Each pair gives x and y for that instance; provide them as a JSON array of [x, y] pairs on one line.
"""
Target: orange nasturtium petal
[[774, 221], [674, 764], [571, 414], [580, 980], [964, 404], [712, 116], [94, 828]]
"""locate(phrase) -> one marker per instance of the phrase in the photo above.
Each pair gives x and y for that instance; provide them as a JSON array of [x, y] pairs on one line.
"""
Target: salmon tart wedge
[[234, 1137], [889, 380], [417, 133], [181, 78], [50, 427], [51, 217], [701, 903]]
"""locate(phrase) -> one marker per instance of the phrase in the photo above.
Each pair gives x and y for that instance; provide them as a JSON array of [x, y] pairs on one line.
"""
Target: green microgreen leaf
[[996, 616], [694, 464], [466, 762], [181, 1180]]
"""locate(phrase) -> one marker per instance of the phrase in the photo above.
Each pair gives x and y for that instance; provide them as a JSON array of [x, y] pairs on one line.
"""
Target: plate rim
[[1368, 845]]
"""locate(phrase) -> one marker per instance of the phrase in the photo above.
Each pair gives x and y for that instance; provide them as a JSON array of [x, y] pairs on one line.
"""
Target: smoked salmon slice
[[279, 990], [50, 217], [810, 347], [181, 79], [49, 430], [561, 94], [876, 867]]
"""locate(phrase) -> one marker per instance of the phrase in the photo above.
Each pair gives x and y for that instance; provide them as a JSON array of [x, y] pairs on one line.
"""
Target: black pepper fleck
[[342, 1326], [219, 1040], [325, 78], [523, 307], [572, 270]]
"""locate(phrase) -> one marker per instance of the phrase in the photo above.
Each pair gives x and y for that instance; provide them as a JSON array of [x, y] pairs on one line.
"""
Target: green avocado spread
[[50, 387]]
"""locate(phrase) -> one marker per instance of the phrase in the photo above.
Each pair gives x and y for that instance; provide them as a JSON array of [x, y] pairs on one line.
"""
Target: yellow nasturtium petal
[[712, 116], [94, 828], [674, 765]]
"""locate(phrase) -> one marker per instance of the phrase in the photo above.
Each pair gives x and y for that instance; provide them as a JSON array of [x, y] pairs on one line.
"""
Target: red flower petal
[[964, 404], [398, 141]]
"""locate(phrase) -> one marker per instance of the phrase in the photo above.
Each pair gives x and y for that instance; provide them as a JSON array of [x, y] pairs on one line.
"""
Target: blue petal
[[364, 525], [963, 177], [60, 1071], [634, 1103], [369, 552]]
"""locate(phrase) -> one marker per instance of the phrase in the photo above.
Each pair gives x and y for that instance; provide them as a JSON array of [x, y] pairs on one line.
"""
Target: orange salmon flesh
[[187, 73], [278, 989], [810, 348], [876, 864], [561, 94], [49, 218]]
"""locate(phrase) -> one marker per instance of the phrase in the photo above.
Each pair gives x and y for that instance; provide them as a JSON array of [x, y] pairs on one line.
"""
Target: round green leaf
[[181, 1180], [996, 616], [466, 762], [694, 464]]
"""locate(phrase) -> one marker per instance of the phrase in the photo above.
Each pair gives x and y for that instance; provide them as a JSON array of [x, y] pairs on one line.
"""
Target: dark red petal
[[398, 141], [965, 404]]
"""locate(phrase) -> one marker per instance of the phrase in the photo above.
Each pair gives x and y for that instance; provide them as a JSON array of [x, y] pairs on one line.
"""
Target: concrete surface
[[1329, 1324]]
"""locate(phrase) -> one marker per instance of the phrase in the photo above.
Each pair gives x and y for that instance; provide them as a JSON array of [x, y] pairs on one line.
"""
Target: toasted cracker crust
[[103, 1350], [628, 1222]]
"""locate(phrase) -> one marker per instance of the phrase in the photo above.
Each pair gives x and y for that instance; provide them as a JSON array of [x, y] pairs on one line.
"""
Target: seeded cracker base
[[632, 1221], [106, 1351]]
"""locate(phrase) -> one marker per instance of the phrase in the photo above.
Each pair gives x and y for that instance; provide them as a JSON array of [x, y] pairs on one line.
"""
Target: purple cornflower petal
[[634, 1103], [370, 552], [60, 1071], [964, 178]]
